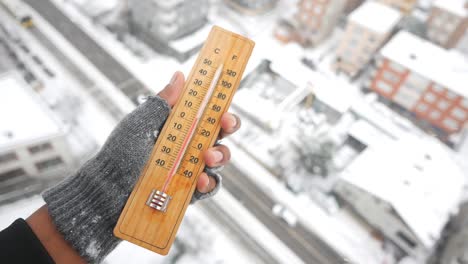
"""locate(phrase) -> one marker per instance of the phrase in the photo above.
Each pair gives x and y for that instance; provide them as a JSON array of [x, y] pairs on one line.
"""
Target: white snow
[[24, 118], [336, 93], [376, 16], [92, 250], [447, 68], [456, 7], [342, 232], [407, 174], [256, 230], [213, 244]]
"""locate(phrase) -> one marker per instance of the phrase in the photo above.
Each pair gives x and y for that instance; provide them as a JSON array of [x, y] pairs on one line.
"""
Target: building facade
[[313, 22], [32, 143], [252, 7], [425, 80], [167, 20], [405, 6], [448, 22], [368, 28]]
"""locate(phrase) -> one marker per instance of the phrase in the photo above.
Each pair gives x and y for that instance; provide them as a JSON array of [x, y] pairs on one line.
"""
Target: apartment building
[[425, 80], [252, 7], [32, 142], [405, 6], [167, 20], [368, 28], [448, 22], [313, 22], [396, 188]]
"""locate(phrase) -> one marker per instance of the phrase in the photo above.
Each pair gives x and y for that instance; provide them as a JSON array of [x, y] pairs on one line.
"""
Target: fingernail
[[218, 156], [207, 186], [233, 120], [174, 78]]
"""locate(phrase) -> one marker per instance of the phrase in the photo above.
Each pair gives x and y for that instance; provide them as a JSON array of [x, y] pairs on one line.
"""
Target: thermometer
[[157, 204]]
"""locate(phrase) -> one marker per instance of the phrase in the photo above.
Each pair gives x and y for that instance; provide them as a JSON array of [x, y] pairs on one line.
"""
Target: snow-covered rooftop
[[376, 16], [417, 177], [326, 90], [456, 7], [447, 68], [22, 116]]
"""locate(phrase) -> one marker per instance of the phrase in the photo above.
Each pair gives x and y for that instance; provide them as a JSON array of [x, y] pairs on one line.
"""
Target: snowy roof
[[417, 177], [326, 90], [23, 118], [447, 68], [454, 6], [376, 16]]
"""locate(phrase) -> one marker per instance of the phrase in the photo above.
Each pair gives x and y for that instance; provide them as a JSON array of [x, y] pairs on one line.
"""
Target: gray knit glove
[[85, 207]]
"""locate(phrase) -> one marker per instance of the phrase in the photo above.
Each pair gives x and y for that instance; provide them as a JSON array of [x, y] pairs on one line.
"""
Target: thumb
[[172, 91]]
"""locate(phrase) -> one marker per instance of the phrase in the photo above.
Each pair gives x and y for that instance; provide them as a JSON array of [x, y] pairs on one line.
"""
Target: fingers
[[217, 156], [205, 183], [173, 90], [230, 123]]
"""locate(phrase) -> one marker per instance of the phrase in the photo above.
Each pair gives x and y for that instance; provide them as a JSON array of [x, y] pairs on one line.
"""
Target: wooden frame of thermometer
[[158, 202]]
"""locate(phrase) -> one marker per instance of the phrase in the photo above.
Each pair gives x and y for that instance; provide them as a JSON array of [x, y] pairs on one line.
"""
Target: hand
[[84, 208], [216, 156]]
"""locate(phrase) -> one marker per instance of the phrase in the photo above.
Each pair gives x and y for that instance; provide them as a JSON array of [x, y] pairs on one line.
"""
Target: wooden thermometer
[[158, 202]]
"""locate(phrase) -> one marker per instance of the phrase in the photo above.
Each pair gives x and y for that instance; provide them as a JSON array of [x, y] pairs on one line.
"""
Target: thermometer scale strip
[[156, 206]]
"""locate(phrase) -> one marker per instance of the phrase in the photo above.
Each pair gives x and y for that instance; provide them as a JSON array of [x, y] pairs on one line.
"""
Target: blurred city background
[[353, 147]]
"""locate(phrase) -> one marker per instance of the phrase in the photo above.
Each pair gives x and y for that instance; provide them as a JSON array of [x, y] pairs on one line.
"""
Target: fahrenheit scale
[[158, 202]]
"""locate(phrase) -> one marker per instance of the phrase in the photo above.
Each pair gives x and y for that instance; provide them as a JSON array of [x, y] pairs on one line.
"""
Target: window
[[437, 88], [451, 124], [390, 76], [348, 55], [318, 9], [46, 164], [438, 21], [430, 97], [459, 113], [40, 148], [357, 30], [431, 33], [404, 238], [417, 82], [443, 105], [441, 37], [353, 43], [434, 115], [451, 95], [313, 22], [11, 174], [422, 108], [7, 157], [397, 67], [464, 103], [384, 87]]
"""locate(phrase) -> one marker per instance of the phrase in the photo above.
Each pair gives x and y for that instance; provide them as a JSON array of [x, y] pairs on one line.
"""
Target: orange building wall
[[444, 95]]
